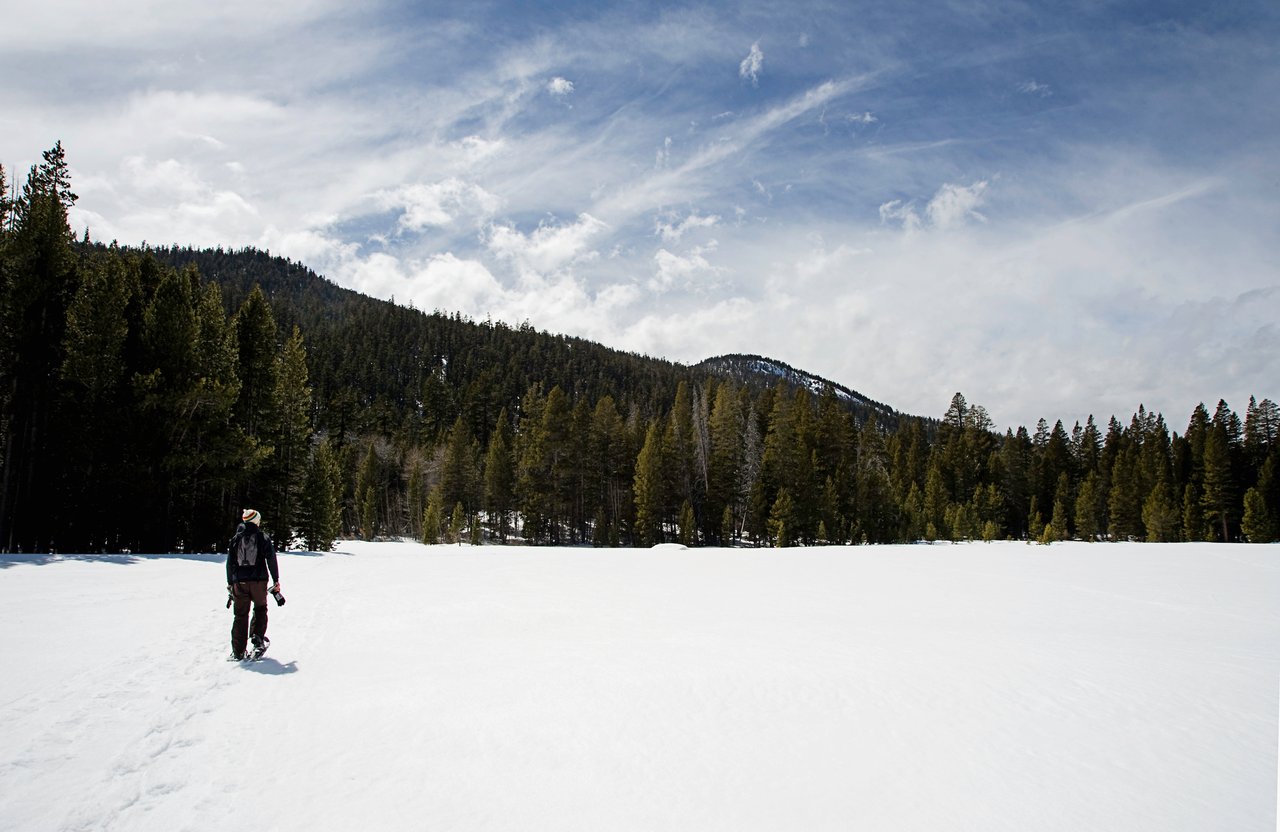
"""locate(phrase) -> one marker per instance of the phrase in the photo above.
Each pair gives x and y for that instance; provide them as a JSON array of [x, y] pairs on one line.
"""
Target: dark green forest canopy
[[147, 394]]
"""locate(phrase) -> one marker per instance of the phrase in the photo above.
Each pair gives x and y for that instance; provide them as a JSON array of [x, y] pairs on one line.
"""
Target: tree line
[[146, 394]]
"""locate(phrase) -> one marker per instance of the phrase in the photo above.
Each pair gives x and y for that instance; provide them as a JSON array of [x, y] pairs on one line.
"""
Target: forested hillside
[[145, 395]]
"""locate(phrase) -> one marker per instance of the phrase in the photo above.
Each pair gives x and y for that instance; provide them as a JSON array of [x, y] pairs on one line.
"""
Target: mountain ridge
[[340, 324]]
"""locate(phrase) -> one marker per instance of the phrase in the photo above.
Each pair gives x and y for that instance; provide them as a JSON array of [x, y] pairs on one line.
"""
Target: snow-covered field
[[974, 687]]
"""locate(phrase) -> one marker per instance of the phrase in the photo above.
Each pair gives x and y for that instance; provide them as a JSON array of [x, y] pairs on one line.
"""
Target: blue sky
[[1058, 209]]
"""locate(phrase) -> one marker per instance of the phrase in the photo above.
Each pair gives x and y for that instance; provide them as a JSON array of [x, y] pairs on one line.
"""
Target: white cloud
[[439, 203], [448, 283], [749, 69], [674, 271], [672, 232], [861, 118], [549, 248], [951, 207], [698, 175], [1032, 87], [904, 212], [664, 154], [559, 86], [476, 149]]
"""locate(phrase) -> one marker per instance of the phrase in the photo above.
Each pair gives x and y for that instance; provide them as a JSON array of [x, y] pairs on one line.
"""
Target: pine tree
[[255, 411], [1194, 526], [96, 407], [532, 487], [877, 510], [433, 519], [1125, 502], [319, 514], [1219, 490], [782, 519], [38, 278], [614, 461], [1257, 524], [914, 515], [728, 530], [649, 488], [459, 467], [1059, 524], [936, 500], [500, 478], [1088, 521], [457, 523], [680, 449], [368, 486], [292, 437], [687, 525], [416, 495], [1036, 527], [726, 436], [1160, 513]]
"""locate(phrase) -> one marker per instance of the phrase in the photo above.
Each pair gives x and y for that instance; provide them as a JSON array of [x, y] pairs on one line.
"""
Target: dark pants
[[244, 594]]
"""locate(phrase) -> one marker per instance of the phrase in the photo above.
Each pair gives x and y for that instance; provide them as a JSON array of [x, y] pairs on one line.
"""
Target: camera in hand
[[278, 595]]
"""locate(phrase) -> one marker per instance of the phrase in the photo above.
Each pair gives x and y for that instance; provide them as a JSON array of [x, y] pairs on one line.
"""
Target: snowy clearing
[[984, 687]]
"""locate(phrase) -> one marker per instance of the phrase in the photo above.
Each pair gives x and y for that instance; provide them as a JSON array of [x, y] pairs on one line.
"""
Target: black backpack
[[244, 546]]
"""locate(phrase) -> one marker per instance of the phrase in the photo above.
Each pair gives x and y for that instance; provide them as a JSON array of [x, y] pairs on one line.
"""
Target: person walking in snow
[[251, 556]]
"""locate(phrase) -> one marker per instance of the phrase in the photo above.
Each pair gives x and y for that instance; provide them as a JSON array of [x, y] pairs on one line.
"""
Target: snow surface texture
[[974, 687]]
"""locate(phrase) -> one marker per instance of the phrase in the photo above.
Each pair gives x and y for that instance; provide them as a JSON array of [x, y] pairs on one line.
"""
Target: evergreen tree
[[433, 519], [726, 437], [457, 523], [1161, 514], [614, 461], [38, 279], [687, 525], [1088, 519], [877, 510], [96, 405], [1059, 524], [782, 519], [1268, 489], [532, 471], [914, 515], [1125, 502], [292, 437], [255, 410], [1257, 524], [936, 500], [500, 478], [319, 514], [416, 497], [458, 472], [368, 484], [1218, 497], [679, 458], [1194, 526], [649, 488]]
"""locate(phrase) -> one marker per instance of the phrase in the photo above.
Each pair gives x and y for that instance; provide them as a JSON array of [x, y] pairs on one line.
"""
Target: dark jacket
[[266, 557]]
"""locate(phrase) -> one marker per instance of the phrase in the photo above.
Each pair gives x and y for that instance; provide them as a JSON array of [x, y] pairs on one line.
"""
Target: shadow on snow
[[268, 666]]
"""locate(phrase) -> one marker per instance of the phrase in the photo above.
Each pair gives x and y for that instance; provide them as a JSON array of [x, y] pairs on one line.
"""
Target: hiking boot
[[235, 657]]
